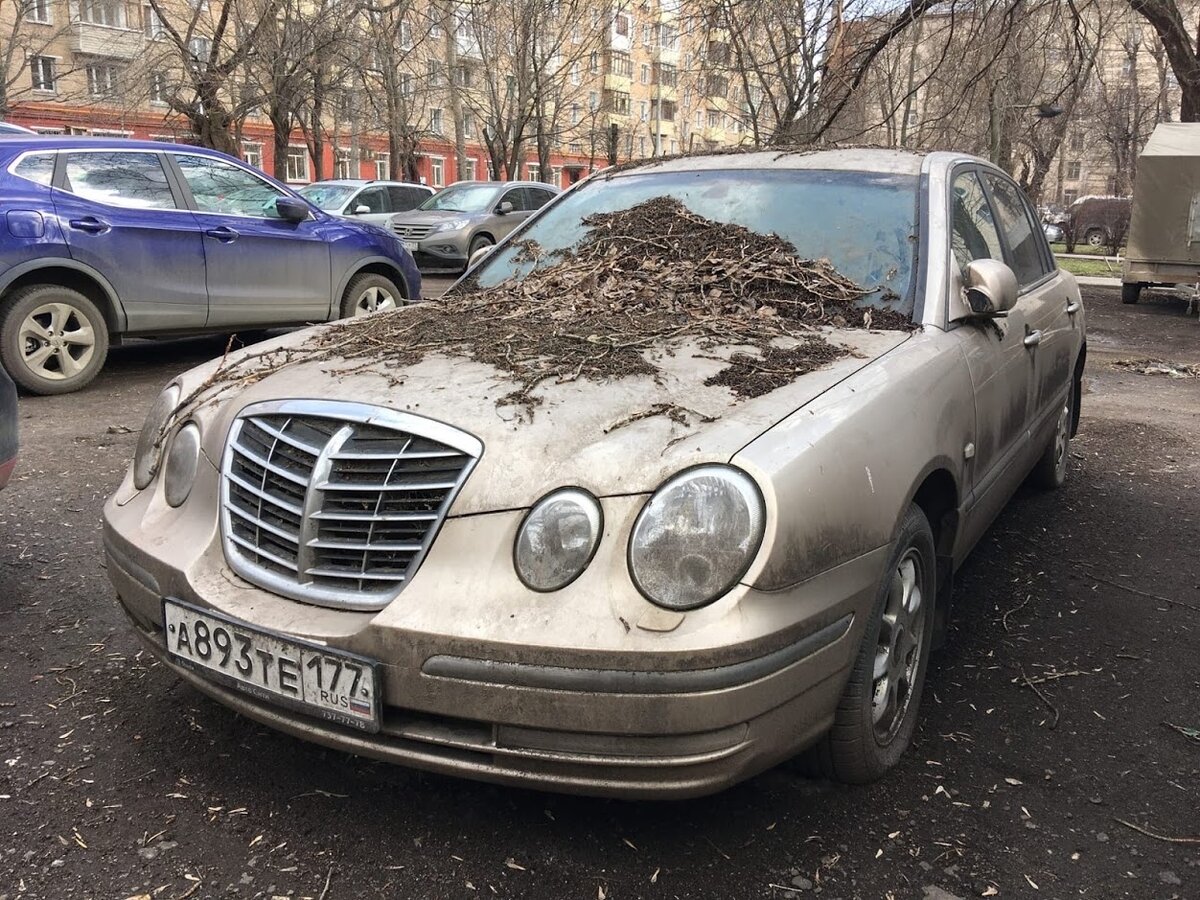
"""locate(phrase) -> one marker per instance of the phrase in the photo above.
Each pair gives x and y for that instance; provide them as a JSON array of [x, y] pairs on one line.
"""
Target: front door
[[371, 204], [261, 269], [1000, 364], [122, 218]]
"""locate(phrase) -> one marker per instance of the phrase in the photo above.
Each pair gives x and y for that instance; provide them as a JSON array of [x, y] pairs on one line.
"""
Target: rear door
[[261, 269], [407, 196], [122, 217], [1046, 304]]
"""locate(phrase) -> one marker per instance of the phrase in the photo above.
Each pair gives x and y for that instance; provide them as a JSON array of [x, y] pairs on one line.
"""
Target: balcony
[[620, 83], [105, 40]]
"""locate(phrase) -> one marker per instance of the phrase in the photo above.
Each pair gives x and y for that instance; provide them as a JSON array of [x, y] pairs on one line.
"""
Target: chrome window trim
[[349, 413]]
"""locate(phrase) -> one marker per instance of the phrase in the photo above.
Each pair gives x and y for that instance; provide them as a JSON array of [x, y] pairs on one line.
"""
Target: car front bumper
[[442, 252], [468, 702]]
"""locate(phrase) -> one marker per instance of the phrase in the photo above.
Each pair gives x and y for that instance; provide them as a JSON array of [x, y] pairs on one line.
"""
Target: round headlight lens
[[182, 460], [696, 536], [150, 446], [558, 539]]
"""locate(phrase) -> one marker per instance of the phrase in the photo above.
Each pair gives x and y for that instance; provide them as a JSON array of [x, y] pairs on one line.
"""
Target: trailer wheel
[[1130, 292]]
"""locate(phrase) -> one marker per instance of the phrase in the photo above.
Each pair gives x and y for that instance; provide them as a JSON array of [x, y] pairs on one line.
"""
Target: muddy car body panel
[[591, 688]]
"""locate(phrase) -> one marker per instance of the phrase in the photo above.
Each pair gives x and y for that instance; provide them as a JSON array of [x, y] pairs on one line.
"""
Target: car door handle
[[1072, 307], [1033, 338], [90, 224], [223, 234]]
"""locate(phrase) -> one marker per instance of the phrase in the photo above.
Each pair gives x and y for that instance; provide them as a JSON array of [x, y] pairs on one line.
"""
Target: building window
[[910, 119], [102, 80], [666, 110], [252, 154], [1077, 141], [1074, 170], [297, 164], [619, 102], [39, 11], [641, 146], [714, 118], [383, 166], [159, 88], [556, 176], [593, 101], [622, 65], [645, 74], [1112, 185], [406, 88], [435, 121], [341, 164], [42, 70], [576, 74], [151, 23], [468, 124], [621, 25], [668, 37], [102, 12], [434, 70], [468, 172], [200, 48], [534, 172], [576, 113], [577, 147], [644, 111], [406, 37], [1070, 197], [436, 170], [665, 75], [646, 35], [718, 86], [594, 62]]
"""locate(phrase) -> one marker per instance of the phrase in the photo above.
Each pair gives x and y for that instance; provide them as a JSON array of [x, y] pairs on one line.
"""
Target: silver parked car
[[367, 201], [654, 585], [445, 231]]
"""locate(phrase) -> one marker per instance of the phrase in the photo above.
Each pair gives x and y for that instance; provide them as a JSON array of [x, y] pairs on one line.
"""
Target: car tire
[[368, 293], [1094, 237], [478, 243], [53, 340], [1050, 471], [858, 749], [1131, 293]]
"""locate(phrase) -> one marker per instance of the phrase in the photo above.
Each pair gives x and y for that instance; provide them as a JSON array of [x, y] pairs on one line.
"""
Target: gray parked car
[[447, 229], [366, 201]]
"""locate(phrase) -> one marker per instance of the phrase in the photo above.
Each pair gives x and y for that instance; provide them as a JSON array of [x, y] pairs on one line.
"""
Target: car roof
[[862, 159], [363, 182], [504, 185]]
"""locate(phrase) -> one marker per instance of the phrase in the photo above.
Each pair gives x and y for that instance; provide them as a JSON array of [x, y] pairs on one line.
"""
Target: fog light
[[182, 461]]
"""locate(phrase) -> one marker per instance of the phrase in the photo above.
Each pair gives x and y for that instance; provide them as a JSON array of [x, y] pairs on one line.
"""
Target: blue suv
[[106, 238]]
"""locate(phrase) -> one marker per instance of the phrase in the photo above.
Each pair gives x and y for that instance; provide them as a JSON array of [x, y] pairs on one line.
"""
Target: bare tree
[[1181, 46]]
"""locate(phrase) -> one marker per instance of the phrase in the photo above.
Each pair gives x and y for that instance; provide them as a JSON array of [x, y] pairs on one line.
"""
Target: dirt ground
[[117, 781]]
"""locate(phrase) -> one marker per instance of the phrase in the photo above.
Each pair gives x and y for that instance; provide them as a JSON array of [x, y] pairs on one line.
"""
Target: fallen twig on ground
[[1158, 837], [1191, 733], [1033, 687]]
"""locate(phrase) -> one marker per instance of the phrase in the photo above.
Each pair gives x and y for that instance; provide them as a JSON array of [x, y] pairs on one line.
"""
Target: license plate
[[410, 246], [340, 687]]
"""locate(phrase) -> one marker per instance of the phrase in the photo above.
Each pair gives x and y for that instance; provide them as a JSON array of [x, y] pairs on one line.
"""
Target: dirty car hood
[[602, 436]]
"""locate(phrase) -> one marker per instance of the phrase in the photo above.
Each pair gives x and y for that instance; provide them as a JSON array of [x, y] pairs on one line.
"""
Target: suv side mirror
[[990, 287], [291, 209], [504, 208], [361, 209]]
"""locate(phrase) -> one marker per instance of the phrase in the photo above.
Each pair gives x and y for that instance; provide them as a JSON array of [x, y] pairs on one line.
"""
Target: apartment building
[[627, 80]]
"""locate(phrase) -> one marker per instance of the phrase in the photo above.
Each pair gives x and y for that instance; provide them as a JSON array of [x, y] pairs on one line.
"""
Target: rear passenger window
[[973, 233], [135, 180], [1020, 231], [37, 167], [406, 197]]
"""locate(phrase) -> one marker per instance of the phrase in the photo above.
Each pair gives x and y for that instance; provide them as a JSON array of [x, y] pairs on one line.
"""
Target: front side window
[[973, 233], [864, 223], [37, 167], [374, 199], [135, 180], [1020, 230], [218, 187], [516, 197]]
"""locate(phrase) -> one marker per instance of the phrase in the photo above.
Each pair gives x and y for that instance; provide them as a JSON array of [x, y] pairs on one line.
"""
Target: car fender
[[65, 262], [358, 266]]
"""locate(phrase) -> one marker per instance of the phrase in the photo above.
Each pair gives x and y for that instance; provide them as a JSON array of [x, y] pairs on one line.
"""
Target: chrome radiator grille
[[411, 232], [337, 503]]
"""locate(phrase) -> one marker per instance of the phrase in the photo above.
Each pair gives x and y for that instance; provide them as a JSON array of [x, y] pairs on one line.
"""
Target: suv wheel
[[1095, 237], [53, 340], [370, 293]]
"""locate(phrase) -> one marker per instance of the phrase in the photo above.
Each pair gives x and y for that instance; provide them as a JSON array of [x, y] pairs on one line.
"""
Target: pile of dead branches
[[639, 280]]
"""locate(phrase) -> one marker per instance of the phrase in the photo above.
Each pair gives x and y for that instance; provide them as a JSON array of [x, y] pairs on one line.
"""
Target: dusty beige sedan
[[654, 572]]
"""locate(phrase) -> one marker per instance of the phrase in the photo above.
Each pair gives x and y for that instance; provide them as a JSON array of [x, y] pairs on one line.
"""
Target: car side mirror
[[478, 256], [361, 209], [504, 208], [291, 209], [990, 288]]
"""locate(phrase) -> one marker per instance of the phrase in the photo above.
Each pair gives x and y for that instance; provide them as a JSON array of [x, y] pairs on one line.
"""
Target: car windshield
[[463, 198], [864, 223], [329, 197]]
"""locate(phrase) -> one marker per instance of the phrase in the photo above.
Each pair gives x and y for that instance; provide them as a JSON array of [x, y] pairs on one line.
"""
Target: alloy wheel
[[898, 652], [373, 299], [57, 341]]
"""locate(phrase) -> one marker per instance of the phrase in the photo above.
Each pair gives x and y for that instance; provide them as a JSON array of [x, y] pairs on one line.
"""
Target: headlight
[[557, 539], [149, 446], [696, 536], [452, 225], [182, 460]]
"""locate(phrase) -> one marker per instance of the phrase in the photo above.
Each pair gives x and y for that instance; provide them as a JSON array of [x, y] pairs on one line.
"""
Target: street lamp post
[[1044, 111]]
